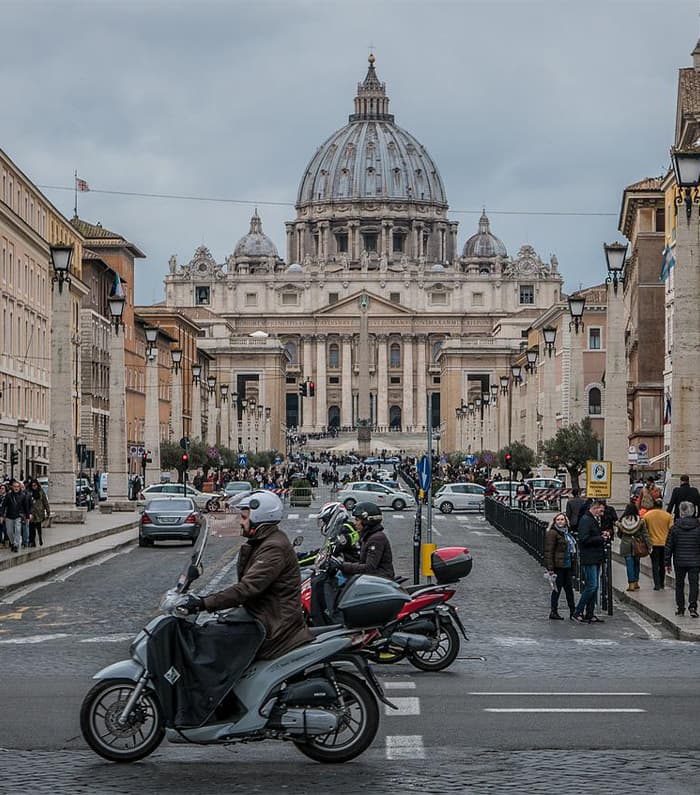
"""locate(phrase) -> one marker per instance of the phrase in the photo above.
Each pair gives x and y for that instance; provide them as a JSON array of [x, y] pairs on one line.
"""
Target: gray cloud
[[532, 105]]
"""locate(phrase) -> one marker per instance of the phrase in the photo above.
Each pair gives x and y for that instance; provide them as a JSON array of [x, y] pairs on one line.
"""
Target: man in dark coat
[[683, 549], [574, 506], [269, 582], [592, 540], [375, 548], [683, 493]]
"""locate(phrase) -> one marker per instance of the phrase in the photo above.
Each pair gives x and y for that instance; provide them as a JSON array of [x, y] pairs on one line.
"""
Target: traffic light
[[302, 389], [185, 460], [149, 457], [509, 460], [14, 457], [312, 389]]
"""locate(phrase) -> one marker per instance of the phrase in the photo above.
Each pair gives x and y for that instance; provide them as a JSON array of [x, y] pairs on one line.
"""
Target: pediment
[[350, 307]]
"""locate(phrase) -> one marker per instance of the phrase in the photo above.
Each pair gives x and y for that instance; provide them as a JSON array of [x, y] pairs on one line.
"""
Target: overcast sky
[[525, 105]]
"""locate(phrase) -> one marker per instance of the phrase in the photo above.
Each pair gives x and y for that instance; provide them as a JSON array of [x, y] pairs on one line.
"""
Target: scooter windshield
[[189, 574]]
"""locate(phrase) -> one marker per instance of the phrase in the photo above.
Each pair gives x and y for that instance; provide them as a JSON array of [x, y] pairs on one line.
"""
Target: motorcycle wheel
[[99, 712], [441, 657], [358, 721]]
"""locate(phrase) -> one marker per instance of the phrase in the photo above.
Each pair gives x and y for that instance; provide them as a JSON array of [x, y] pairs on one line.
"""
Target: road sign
[[242, 460], [470, 460], [278, 461], [488, 459], [643, 453], [598, 479], [425, 472]]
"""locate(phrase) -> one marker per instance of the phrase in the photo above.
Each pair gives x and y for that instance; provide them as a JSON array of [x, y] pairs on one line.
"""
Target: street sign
[[425, 472], [470, 460], [488, 459], [642, 453], [599, 479], [443, 459], [242, 460], [278, 461]]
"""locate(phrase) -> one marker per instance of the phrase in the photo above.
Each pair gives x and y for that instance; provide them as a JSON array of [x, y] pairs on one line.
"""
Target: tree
[[523, 458], [571, 447]]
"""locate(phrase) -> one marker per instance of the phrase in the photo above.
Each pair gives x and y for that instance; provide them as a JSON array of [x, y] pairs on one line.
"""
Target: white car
[[211, 501], [378, 493], [505, 487], [459, 496]]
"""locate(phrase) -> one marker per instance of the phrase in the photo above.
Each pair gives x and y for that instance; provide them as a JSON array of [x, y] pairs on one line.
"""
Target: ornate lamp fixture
[[176, 355], [532, 355], [615, 260], [550, 335], [211, 384], [61, 257], [686, 167], [504, 384], [196, 373], [577, 305]]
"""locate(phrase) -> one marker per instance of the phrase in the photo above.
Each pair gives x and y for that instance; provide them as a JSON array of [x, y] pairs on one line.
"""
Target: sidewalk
[[65, 545]]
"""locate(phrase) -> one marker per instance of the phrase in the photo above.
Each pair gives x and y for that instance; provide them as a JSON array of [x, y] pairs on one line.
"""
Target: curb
[[676, 631], [40, 552]]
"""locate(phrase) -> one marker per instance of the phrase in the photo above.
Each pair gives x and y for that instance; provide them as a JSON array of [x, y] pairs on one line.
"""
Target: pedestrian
[[658, 524], [15, 509], [573, 509], [4, 537], [592, 541], [683, 493], [649, 494], [683, 551], [559, 557], [40, 512], [634, 539]]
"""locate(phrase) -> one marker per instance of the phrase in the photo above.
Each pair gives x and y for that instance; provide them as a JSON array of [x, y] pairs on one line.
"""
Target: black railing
[[519, 526]]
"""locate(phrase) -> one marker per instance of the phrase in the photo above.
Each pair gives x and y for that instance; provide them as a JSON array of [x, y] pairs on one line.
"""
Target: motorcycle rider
[[375, 548], [330, 516], [269, 585]]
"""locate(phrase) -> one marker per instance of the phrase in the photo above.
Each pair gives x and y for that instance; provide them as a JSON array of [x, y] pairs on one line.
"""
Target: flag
[[81, 185], [667, 408], [668, 260], [117, 290]]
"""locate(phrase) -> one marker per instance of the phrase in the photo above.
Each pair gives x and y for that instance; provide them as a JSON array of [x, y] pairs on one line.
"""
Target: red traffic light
[[508, 458], [185, 458], [312, 389]]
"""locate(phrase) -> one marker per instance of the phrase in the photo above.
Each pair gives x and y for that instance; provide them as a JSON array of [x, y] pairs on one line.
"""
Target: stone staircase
[[392, 442]]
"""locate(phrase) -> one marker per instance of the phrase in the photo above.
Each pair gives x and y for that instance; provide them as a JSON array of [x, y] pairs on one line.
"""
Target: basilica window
[[202, 295], [332, 298], [437, 346], [395, 355], [593, 339], [438, 298], [370, 239], [290, 299], [341, 241], [594, 401], [395, 298], [398, 242], [334, 356], [251, 299], [527, 294], [477, 299], [292, 351]]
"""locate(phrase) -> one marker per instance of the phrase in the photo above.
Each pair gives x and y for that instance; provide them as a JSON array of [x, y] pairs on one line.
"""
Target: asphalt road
[[530, 705]]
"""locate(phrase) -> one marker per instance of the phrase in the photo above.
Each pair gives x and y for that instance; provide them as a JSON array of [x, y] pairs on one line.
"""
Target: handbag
[[639, 547]]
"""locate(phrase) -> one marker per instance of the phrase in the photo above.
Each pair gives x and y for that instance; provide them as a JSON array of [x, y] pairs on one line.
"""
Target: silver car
[[459, 496], [378, 493], [170, 519], [207, 501]]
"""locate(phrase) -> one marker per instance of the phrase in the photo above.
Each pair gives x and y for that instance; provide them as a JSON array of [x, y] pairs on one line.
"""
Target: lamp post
[[176, 407], [225, 416], [549, 334], [61, 440], [151, 434], [685, 374], [577, 305], [196, 401], [116, 443], [616, 431], [507, 389], [211, 410]]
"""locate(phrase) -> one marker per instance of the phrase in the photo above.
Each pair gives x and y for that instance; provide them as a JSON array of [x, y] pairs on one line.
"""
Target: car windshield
[[172, 505], [238, 487]]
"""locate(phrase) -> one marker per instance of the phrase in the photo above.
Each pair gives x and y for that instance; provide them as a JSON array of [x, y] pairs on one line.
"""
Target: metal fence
[[519, 526]]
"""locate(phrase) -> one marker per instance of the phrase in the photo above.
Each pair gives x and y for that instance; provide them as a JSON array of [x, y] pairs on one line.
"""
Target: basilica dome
[[255, 245], [371, 158], [484, 243]]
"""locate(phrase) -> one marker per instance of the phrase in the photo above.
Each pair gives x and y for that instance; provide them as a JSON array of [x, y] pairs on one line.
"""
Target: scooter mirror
[[298, 541]]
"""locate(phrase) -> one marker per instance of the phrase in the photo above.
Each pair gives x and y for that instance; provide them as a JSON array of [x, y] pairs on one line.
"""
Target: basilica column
[[421, 395], [354, 240], [321, 407], [419, 238], [407, 412], [382, 383], [307, 420], [290, 242], [346, 383]]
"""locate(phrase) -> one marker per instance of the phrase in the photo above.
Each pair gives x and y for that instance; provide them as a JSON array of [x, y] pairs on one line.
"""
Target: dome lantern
[[371, 102]]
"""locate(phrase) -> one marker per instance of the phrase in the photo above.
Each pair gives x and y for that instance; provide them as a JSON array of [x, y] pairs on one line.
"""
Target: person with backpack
[[634, 539]]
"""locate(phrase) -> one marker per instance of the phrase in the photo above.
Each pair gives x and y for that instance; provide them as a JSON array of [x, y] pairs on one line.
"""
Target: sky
[[541, 111]]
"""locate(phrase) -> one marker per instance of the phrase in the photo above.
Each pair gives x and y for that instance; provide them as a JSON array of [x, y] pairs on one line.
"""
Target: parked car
[[459, 496], [378, 493], [544, 483], [392, 459], [505, 487], [236, 488], [372, 460], [207, 502], [170, 519]]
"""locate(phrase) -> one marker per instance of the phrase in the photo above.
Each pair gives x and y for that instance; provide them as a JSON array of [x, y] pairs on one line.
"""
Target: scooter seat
[[316, 631]]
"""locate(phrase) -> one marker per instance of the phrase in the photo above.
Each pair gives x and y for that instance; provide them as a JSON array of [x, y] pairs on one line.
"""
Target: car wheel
[[350, 503], [398, 505], [213, 504], [446, 507], [145, 542]]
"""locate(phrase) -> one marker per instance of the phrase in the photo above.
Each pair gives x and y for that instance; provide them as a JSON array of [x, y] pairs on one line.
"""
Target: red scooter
[[428, 613]]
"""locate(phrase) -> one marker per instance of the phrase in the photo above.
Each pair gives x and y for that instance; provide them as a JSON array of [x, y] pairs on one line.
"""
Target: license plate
[[169, 519]]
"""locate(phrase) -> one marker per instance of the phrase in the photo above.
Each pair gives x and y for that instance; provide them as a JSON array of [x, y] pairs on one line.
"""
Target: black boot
[[553, 614]]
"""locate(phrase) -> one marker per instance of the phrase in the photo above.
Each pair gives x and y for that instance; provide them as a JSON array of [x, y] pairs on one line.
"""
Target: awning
[[657, 458], [38, 460]]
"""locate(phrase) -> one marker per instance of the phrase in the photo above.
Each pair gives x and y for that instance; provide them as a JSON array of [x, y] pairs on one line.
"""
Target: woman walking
[[559, 556], [40, 512], [634, 543]]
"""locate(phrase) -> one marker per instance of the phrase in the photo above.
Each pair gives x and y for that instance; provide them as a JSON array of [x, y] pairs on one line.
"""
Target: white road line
[[398, 516], [398, 685], [292, 516], [652, 632], [405, 746], [313, 515], [547, 695], [508, 641], [35, 638], [595, 642], [109, 638], [437, 532], [564, 709], [405, 705]]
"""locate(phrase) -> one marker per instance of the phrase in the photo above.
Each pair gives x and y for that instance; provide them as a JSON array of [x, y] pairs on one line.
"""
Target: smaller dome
[[437, 268], [255, 245], [295, 267], [483, 243]]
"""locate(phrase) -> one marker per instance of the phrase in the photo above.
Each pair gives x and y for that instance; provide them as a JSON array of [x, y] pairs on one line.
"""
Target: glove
[[335, 564], [191, 604]]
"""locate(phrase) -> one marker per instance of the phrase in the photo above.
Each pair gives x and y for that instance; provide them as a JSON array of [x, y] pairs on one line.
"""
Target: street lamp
[[550, 335], [61, 257], [177, 358], [211, 384], [116, 301], [577, 304], [151, 339], [504, 384], [485, 399], [516, 371], [686, 167], [494, 393], [223, 389], [615, 260], [196, 374], [532, 355]]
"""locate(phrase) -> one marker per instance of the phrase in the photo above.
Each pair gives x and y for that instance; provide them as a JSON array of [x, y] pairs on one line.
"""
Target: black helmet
[[368, 512]]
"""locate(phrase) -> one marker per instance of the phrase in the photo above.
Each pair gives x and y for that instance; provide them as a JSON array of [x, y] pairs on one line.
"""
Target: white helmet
[[329, 512], [265, 507]]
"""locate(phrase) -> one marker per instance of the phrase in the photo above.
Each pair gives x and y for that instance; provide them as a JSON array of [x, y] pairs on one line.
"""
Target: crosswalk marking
[[528, 710], [399, 685], [292, 516], [405, 705], [398, 516], [549, 694], [34, 638], [406, 746]]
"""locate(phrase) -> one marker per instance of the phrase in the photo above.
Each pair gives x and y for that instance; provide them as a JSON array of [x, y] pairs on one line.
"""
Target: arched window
[[334, 356], [333, 417], [395, 418], [395, 355], [292, 350], [595, 401], [436, 349]]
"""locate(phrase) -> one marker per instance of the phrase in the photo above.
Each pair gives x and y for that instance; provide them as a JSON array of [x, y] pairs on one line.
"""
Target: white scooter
[[198, 682]]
